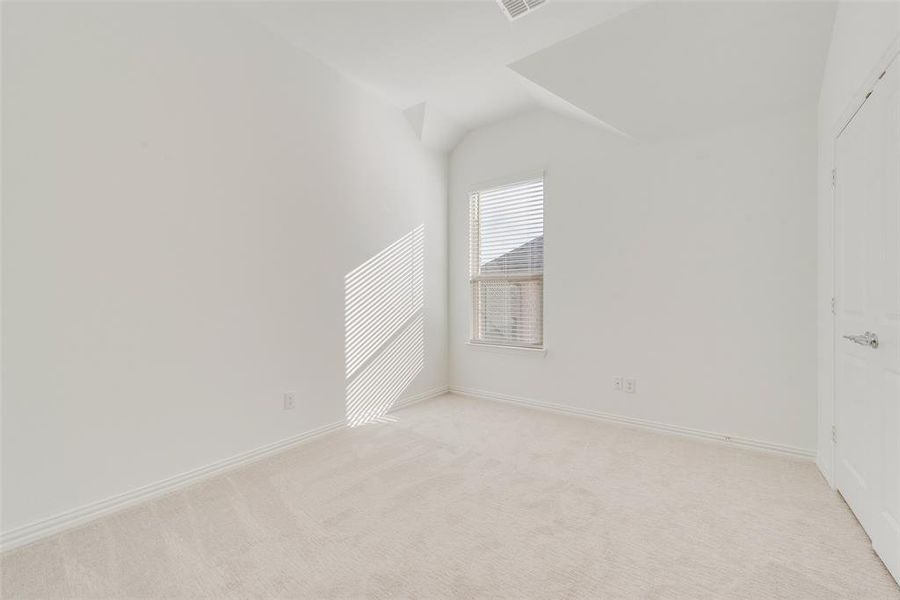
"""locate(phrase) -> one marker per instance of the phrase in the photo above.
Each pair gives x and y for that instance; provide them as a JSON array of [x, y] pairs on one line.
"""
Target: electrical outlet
[[618, 384], [630, 385], [289, 401]]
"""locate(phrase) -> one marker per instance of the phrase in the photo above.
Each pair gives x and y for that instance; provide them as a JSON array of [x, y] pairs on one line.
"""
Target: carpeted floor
[[463, 498]]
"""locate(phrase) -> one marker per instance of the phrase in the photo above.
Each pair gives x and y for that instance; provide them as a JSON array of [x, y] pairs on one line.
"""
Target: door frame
[[859, 99]]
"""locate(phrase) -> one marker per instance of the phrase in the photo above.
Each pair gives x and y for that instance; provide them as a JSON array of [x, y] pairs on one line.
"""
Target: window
[[506, 264]]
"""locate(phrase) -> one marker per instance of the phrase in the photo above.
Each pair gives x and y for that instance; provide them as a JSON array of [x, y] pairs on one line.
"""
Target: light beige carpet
[[463, 498]]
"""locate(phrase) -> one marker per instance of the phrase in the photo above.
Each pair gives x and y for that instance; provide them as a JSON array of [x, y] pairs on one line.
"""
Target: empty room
[[501, 299]]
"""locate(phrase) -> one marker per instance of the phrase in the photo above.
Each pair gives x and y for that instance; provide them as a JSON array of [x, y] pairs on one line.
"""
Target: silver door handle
[[866, 339]]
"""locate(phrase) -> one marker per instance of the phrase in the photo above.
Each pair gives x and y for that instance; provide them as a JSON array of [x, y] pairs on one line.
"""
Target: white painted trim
[[496, 182], [641, 423], [415, 398], [521, 350], [77, 516], [827, 474], [83, 514], [890, 54]]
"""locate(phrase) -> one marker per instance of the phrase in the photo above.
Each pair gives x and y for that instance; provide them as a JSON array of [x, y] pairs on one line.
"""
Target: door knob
[[866, 339]]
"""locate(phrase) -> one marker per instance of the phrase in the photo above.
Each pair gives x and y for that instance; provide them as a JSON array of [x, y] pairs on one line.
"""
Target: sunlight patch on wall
[[384, 332]]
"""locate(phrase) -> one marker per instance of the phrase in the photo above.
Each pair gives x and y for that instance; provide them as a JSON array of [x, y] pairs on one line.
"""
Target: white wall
[[863, 33], [183, 195], [688, 264]]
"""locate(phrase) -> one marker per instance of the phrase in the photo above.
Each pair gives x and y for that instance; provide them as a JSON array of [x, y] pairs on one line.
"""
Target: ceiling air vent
[[519, 8]]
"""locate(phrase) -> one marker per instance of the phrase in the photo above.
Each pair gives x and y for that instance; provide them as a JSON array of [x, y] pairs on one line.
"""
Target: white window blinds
[[506, 264]]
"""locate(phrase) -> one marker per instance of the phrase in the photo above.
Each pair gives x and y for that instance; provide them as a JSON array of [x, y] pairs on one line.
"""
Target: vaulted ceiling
[[673, 68], [650, 70]]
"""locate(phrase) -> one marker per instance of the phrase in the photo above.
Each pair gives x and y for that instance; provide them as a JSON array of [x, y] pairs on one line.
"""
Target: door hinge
[[834, 434], [833, 305], [833, 177]]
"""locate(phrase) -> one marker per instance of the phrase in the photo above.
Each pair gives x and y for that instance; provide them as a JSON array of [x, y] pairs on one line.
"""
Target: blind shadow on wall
[[384, 331]]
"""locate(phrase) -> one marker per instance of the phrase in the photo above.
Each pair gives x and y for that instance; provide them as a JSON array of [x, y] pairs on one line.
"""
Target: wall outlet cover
[[289, 401], [630, 385]]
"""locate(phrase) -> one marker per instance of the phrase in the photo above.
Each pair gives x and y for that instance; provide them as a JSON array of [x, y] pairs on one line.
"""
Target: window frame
[[474, 247]]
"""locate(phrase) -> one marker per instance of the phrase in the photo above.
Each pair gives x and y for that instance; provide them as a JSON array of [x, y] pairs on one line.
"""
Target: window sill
[[508, 349]]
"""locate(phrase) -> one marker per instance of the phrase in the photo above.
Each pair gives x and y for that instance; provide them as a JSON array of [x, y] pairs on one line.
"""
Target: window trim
[[533, 351], [521, 349], [495, 182]]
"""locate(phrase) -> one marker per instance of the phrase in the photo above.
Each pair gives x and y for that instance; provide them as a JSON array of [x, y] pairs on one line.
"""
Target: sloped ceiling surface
[[453, 56], [666, 69], [648, 70]]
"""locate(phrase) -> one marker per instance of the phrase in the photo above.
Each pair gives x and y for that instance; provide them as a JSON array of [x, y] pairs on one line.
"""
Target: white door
[[867, 283]]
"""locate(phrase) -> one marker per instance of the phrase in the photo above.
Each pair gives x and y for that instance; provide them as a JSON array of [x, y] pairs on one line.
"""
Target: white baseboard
[[78, 516], [408, 400], [641, 423], [826, 471]]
